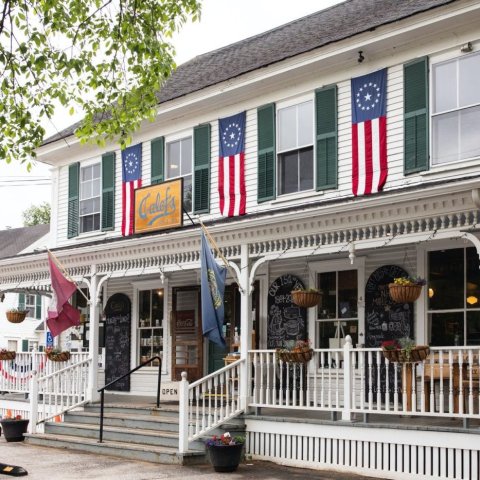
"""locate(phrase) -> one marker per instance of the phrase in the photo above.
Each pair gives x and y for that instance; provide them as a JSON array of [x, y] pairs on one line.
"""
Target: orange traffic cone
[[58, 418]]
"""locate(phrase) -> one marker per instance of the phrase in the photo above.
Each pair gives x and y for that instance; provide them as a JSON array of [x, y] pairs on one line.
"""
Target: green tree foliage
[[107, 59], [36, 215]]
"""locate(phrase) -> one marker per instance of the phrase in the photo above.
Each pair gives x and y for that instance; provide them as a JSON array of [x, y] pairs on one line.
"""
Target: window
[[454, 297], [337, 313], [150, 327], [33, 305], [456, 109], [179, 164], [295, 148], [90, 190]]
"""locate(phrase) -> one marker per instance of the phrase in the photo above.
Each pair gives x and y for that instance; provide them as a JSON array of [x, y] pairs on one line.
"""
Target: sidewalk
[[52, 464]]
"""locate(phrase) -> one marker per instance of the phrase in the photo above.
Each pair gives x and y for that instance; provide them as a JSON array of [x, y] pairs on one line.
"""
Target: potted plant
[[299, 351], [406, 289], [7, 354], [404, 350], [306, 298], [14, 428], [57, 355], [225, 451], [16, 315]]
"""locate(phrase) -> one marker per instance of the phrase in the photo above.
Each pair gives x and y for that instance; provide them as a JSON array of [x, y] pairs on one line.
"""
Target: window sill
[[89, 235], [305, 195], [459, 165]]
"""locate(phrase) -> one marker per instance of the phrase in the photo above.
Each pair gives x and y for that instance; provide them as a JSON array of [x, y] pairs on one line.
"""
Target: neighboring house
[[321, 209], [30, 333]]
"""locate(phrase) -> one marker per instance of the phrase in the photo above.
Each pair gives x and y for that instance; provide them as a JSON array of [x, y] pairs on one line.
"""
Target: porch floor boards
[[374, 420]]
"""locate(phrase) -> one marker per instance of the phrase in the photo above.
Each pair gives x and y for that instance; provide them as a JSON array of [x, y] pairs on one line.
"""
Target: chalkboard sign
[[286, 321], [385, 320], [118, 321]]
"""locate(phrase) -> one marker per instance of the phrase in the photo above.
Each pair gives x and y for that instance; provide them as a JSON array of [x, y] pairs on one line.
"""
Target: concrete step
[[155, 422], [148, 453], [119, 434], [164, 410]]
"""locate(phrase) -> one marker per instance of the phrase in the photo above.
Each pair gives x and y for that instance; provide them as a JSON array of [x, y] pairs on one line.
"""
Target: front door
[[186, 328]]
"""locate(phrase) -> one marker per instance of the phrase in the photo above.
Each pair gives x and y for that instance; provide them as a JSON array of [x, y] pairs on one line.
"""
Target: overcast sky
[[222, 22]]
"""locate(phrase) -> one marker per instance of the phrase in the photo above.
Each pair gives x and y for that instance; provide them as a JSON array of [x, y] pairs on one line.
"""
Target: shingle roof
[[333, 24], [14, 240]]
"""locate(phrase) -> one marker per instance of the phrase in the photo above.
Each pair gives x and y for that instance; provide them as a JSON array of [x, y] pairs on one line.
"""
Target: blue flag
[[213, 288]]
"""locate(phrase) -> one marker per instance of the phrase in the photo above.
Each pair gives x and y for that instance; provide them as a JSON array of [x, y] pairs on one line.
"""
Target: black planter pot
[[13, 430], [225, 458]]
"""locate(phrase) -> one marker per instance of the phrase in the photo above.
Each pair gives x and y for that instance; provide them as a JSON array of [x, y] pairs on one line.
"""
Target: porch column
[[92, 394], [245, 324]]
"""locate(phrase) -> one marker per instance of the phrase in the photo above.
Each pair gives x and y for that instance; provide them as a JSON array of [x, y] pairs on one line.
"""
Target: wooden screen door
[[187, 339]]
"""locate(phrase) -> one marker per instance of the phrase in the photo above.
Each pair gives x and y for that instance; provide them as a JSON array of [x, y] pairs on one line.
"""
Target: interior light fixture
[[472, 300], [431, 293]]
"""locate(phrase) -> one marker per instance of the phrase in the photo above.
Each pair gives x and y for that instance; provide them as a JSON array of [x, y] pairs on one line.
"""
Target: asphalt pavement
[[54, 464]]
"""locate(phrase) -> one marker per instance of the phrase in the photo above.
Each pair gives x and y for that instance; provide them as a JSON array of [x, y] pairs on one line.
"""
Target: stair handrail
[[138, 367]]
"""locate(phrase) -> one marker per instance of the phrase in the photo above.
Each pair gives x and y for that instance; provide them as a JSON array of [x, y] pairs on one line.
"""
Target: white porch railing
[[15, 375], [348, 380], [56, 393], [208, 402]]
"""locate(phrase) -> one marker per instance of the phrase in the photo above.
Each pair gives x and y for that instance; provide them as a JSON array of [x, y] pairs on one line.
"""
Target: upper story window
[[456, 109], [179, 164], [295, 148], [90, 191]]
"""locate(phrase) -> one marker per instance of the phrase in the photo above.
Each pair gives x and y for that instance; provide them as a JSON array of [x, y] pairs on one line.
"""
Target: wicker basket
[[58, 357], [10, 355], [404, 293], [417, 354], [16, 317], [303, 356], [306, 299]]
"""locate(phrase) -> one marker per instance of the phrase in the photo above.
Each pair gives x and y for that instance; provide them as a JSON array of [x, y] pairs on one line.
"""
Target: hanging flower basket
[[7, 355], [404, 293], [416, 354], [303, 356], [16, 316], [306, 298], [57, 356]]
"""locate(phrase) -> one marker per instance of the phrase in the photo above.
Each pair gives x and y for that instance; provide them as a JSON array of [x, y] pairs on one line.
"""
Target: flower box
[[416, 354], [306, 298], [7, 355], [58, 356], [16, 316], [300, 356]]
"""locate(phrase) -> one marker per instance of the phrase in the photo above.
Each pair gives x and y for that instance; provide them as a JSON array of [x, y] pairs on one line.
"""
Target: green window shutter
[[108, 191], [201, 169], [21, 301], [73, 200], [24, 345], [416, 116], [266, 153], [38, 307], [326, 137], [157, 155]]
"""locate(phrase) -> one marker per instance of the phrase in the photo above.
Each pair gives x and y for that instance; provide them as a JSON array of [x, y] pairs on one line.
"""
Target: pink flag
[[61, 315]]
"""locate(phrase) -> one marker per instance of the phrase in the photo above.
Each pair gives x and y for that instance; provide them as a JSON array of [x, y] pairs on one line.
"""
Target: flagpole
[[215, 246], [67, 276]]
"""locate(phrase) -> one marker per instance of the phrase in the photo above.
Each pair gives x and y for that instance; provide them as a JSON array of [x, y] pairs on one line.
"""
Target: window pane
[[187, 193], [469, 73], [288, 172], [287, 128], [327, 285], [86, 224], [96, 171], [305, 124], [445, 138], [473, 328], [446, 329], [347, 294], [173, 159], [86, 207], [86, 173], [469, 131], [96, 205], [445, 86], [144, 305], [85, 190], [446, 279], [96, 221], [186, 156], [157, 307], [306, 169], [473, 279], [96, 187]]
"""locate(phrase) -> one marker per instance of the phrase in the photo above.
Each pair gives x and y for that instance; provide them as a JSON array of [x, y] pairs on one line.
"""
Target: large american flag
[[369, 133], [131, 180], [231, 165]]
